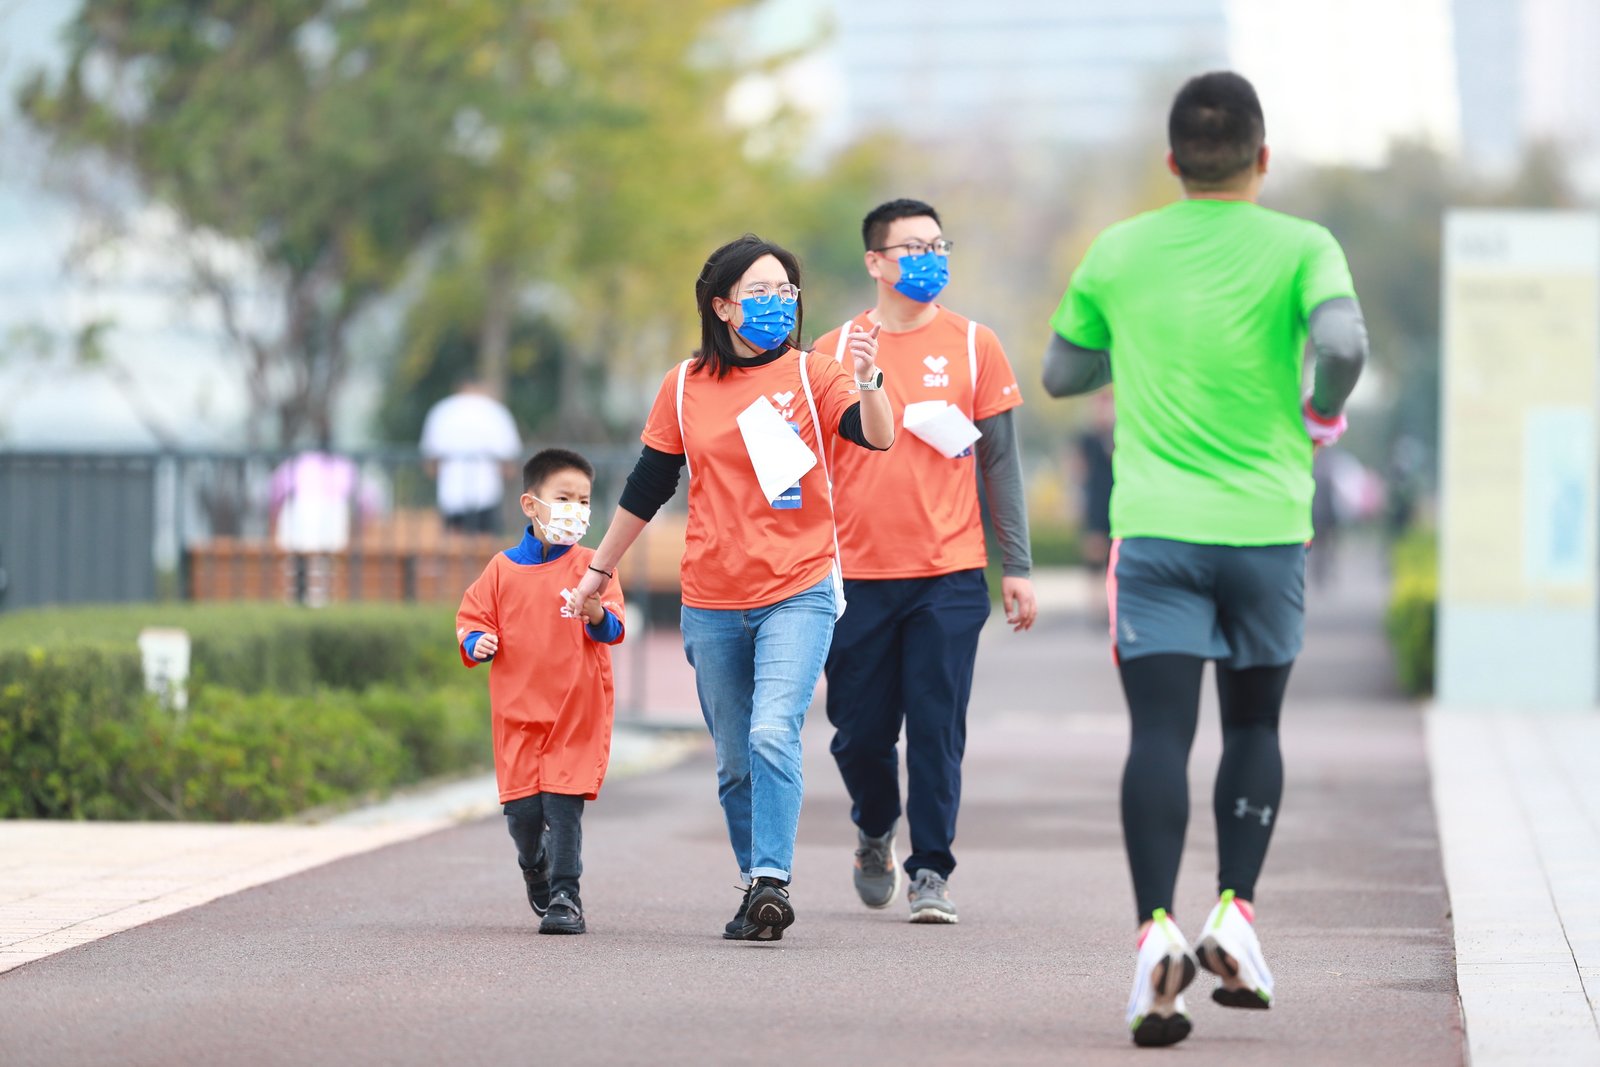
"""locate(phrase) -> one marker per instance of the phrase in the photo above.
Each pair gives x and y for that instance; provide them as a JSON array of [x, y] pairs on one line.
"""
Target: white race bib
[[778, 454], [941, 425]]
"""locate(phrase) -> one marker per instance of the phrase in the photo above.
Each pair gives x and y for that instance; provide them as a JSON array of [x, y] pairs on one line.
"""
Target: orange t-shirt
[[912, 512], [551, 694], [741, 550]]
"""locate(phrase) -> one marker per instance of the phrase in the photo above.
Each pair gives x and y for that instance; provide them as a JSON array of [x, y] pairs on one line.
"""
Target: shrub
[[288, 709], [1413, 610]]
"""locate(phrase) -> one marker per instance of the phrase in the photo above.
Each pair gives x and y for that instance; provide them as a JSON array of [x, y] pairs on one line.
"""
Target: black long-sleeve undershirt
[[654, 479]]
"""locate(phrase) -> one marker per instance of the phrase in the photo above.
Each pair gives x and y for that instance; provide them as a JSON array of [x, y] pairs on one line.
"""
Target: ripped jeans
[[756, 672]]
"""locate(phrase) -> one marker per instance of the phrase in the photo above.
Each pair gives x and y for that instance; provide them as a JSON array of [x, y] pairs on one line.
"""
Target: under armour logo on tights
[[1241, 808]]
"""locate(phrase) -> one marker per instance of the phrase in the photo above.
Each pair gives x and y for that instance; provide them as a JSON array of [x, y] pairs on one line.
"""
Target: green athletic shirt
[[1203, 306]]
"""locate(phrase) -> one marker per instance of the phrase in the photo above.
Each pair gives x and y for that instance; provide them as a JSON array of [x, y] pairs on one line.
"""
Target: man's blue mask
[[768, 321], [923, 277]]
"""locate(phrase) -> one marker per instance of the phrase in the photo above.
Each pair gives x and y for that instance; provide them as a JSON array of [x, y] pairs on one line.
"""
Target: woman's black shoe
[[764, 914]]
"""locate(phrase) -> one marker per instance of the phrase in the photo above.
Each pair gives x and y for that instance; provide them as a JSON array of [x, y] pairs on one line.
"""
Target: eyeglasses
[[918, 248], [788, 292]]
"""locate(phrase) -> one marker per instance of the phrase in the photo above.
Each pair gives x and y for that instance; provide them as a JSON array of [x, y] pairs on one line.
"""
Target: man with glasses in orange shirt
[[911, 545]]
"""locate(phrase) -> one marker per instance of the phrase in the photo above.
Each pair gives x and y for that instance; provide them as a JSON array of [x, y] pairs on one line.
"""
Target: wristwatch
[[873, 384]]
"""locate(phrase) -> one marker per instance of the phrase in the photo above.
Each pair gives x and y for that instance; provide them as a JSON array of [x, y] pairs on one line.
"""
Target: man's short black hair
[[875, 227], [1216, 129], [553, 461]]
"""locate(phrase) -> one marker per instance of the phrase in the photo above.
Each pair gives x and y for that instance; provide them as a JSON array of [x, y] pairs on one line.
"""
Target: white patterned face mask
[[569, 521]]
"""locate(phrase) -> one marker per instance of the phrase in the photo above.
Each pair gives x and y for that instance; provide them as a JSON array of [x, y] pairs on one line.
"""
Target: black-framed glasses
[[788, 292], [940, 247]]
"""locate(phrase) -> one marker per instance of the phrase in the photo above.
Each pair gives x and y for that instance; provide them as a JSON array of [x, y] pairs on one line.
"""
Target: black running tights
[[1163, 694]]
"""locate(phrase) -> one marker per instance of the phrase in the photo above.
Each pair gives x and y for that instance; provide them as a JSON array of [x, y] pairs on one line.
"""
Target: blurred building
[[1526, 72], [1062, 71]]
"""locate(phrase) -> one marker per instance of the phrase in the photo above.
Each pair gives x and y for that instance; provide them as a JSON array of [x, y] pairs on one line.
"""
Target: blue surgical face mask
[[768, 321], [923, 277]]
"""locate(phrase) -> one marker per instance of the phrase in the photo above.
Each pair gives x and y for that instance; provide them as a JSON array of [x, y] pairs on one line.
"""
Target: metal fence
[[309, 528]]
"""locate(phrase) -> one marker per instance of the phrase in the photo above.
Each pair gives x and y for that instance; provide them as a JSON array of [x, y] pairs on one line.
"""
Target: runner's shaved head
[[1215, 129]]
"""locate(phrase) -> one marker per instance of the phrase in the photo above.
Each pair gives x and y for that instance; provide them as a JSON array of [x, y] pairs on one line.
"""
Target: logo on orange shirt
[[938, 379], [785, 403]]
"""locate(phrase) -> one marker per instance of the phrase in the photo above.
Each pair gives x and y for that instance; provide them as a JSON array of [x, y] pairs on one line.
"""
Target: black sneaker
[[763, 914], [538, 879], [734, 930], [564, 917]]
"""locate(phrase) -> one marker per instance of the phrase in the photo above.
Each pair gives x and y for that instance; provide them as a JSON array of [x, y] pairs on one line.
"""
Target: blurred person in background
[[912, 547], [760, 579], [1201, 311], [316, 502], [470, 444], [1325, 519], [1095, 478]]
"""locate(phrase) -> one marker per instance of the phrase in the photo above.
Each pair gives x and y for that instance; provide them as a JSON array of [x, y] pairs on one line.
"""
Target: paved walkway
[[1518, 797], [64, 884], [424, 951]]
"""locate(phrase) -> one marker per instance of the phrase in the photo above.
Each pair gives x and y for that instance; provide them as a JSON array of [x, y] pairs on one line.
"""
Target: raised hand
[[863, 346]]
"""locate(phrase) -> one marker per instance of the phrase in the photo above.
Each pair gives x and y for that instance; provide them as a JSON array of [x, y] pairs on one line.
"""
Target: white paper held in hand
[[941, 425], [776, 451]]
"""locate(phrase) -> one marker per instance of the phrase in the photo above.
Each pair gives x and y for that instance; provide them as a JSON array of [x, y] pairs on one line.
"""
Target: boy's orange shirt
[[912, 512], [741, 551], [551, 692]]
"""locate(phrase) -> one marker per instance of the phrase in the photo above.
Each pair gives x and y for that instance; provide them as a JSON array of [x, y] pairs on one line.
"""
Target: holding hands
[[588, 588], [574, 605]]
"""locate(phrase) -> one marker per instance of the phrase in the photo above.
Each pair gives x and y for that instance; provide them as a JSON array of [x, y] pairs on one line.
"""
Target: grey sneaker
[[877, 872], [930, 898]]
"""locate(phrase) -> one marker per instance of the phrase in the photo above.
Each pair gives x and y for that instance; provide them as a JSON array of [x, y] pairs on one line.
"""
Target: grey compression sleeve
[[1070, 370], [1001, 464], [1339, 337]]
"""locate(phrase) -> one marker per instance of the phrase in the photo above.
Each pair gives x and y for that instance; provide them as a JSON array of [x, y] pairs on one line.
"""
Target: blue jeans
[[756, 671]]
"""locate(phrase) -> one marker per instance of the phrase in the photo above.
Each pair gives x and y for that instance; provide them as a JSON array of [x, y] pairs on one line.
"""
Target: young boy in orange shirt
[[550, 691]]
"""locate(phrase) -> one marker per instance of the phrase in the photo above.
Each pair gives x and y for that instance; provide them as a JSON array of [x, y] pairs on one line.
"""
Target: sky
[[1339, 79]]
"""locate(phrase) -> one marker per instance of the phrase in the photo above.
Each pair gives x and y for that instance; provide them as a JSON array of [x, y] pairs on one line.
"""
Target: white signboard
[[1518, 619]]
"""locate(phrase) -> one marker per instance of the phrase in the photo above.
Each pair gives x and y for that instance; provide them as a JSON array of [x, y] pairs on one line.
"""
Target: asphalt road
[[425, 952]]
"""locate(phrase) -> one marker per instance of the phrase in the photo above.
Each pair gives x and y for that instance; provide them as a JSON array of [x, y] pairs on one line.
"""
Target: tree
[[603, 169], [300, 165]]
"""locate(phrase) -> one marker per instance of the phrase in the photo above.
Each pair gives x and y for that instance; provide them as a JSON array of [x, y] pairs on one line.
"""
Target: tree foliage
[[298, 165], [540, 180]]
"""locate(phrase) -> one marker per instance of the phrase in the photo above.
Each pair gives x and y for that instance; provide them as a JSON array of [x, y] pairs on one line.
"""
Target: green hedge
[[1413, 610], [288, 709]]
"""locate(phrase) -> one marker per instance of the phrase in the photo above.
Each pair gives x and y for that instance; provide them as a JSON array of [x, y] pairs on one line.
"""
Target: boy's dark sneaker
[[538, 879], [764, 913], [564, 917]]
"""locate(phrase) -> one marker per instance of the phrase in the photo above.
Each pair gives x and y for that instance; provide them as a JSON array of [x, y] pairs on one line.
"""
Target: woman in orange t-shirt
[[759, 596]]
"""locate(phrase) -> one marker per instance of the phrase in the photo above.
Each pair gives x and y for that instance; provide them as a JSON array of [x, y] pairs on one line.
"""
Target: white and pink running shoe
[[1230, 950], [1156, 1011]]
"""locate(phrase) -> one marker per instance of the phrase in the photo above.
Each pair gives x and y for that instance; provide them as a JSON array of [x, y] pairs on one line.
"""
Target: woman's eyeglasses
[[788, 292]]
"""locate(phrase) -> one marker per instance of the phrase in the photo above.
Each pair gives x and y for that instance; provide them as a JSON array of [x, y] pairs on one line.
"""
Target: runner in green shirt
[[1201, 312]]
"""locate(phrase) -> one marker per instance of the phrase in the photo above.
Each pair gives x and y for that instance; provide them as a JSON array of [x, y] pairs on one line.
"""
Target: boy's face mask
[[569, 521]]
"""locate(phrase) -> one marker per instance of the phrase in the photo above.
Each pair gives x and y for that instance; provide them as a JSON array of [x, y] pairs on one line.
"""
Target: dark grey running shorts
[[1241, 606]]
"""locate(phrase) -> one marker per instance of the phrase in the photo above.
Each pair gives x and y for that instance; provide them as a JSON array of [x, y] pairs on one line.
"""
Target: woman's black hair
[[717, 278]]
